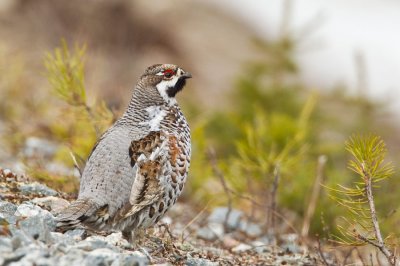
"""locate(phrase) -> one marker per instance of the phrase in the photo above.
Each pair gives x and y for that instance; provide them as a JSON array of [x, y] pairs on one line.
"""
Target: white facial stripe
[[162, 89]]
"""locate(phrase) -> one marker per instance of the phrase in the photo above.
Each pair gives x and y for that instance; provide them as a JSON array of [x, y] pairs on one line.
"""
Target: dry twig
[[274, 189], [213, 160], [360, 256], [379, 243], [193, 220], [321, 253], [348, 255], [314, 195]]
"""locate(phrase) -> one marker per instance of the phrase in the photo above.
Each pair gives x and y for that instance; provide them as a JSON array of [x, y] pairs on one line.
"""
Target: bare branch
[[320, 252], [391, 258], [229, 192], [193, 220], [380, 243], [274, 189], [76, 165], [91, 115], [360, 256], [213, 160], [348, 255], [276, 213], [314, 195]]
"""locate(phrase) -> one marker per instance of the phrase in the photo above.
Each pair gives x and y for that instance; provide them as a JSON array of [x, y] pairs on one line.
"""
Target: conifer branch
[[379, 243], [368, 162]]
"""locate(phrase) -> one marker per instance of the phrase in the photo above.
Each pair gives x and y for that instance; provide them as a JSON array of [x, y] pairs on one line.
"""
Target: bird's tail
[[76, 214]]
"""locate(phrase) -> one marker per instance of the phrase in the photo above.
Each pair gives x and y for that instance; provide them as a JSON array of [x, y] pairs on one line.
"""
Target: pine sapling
[[369, 164]]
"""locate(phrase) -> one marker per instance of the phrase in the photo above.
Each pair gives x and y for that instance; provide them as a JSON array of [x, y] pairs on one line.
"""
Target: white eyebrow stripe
[[159, 74]]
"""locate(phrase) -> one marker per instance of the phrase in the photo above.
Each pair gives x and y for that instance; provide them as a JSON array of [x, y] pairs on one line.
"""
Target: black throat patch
[[172, 91]]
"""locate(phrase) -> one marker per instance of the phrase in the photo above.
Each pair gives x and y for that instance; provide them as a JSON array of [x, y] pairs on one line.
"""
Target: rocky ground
[[185, 237]]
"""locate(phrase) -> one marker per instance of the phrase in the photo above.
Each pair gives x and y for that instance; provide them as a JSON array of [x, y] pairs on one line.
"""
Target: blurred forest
[[260, 135]]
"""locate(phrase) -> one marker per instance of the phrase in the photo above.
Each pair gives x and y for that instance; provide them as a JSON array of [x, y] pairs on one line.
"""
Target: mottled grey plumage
[[138, 168]]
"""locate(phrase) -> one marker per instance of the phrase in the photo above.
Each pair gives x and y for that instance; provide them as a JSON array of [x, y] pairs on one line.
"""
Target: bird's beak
[[186, 75]]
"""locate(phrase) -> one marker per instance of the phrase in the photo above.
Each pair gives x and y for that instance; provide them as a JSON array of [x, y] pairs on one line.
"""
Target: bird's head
[[166, 79]]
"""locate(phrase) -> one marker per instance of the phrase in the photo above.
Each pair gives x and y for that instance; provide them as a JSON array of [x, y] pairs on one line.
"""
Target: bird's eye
[[168, 73]]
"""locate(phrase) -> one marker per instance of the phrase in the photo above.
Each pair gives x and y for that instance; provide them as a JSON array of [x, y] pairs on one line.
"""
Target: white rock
[[206, 233], [28, 210], [251, 229], [241, 248], [219, 216], [7, 172], [117, 239], [217, 228], [37, 188], [199, 262], [54, 203], [37, 147], [260, 247]]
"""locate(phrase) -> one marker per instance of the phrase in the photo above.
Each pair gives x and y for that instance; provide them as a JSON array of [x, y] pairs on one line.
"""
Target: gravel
[[28, 237], [36, 188]]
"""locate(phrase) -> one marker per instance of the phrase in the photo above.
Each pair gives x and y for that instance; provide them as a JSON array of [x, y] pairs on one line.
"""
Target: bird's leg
[[167, 230], [128, 235], [156, 239], [135, 237]]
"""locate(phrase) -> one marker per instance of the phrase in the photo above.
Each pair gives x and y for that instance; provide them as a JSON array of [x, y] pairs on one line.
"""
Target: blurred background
[[278, 88]]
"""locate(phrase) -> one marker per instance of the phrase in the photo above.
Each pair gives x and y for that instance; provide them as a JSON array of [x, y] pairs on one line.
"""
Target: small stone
[[39, 148], [61, 169], [7, 208], [268, 240], [36, 257], [5, 245], [55, 204], [241, 248], [38, 227], [94, 242], [217, 229], [37, 188], [117, 239], [27, 210], [8, 173], [100, 256], [60, 247], [76, 234], [206, 233], [229, 242], [289, 243], [217, 252], [72, 257], [250, 229], [289, 238], [60, 238], [291, 247], [10, 258], [199, 262], [211, 232], [261, 247], [219, 216], [134, 259], [186, 247], [7, 211], [20, 238]]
